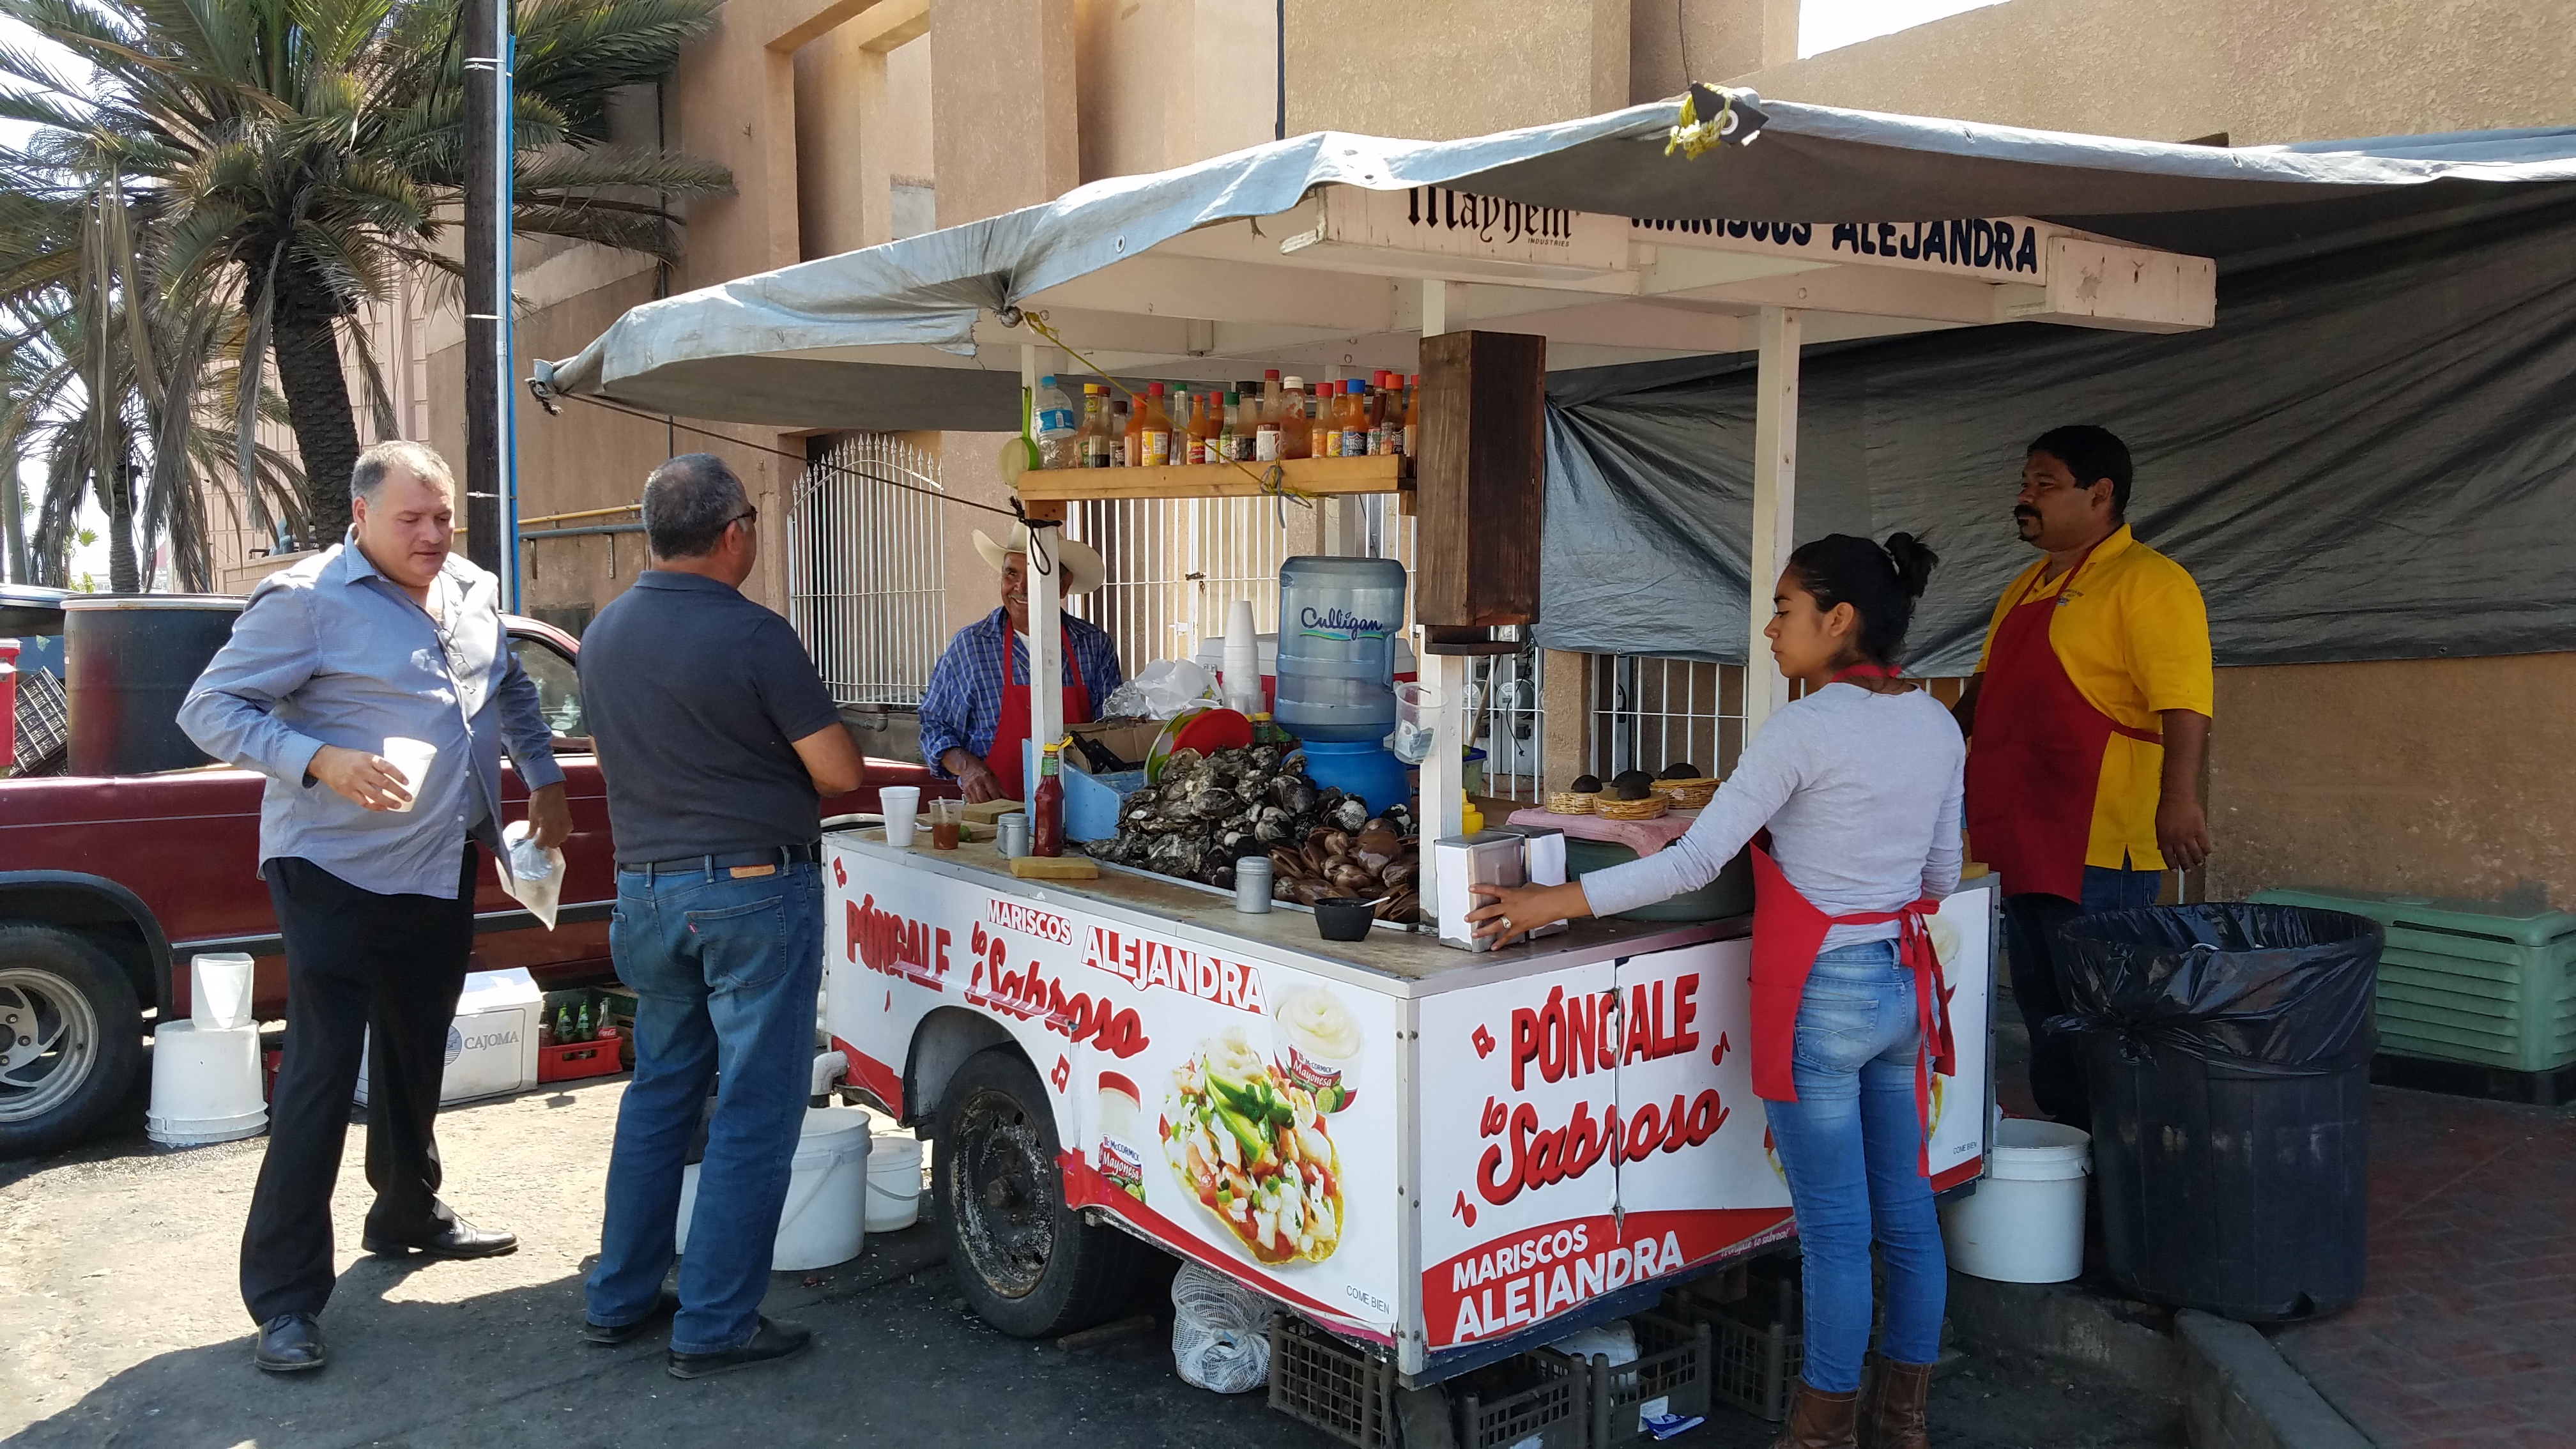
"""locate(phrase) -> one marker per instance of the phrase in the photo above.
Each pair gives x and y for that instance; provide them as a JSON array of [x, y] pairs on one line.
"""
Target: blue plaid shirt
[[962, 706]]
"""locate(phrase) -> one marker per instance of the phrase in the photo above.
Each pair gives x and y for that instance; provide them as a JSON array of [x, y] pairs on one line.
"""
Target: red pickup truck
[[109, 884]]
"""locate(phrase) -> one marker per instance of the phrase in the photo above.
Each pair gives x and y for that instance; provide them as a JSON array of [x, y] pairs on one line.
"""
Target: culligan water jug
[[1338, 618]]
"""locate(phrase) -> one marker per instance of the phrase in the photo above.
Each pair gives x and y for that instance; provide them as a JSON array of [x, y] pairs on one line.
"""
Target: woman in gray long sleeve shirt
[[1859, 783]]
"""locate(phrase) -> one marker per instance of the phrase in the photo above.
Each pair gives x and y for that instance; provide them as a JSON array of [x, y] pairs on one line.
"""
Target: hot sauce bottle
[[1046, 806]]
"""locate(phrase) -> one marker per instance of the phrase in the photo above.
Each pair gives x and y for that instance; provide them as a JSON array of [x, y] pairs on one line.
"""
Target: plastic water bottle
[[1338, 618], [1057, 426]]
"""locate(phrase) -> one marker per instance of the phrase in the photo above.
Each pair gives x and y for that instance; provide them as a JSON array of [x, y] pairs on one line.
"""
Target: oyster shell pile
[[1208, 811]]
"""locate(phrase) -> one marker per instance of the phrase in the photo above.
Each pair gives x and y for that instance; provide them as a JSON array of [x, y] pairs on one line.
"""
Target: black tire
[[71, 1038], [1028, 1265]]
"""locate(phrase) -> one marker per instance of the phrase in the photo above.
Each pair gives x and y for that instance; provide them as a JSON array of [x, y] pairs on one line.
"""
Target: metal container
[[1489, 857], [129, 660], [1252, 885], [1012, 834]]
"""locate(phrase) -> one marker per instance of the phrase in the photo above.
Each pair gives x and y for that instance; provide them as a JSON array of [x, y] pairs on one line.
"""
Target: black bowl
[[1343, 918]]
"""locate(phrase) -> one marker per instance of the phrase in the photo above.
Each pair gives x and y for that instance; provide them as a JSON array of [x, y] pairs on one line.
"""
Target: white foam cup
[[901, 805], [219, 986], [411, 760]]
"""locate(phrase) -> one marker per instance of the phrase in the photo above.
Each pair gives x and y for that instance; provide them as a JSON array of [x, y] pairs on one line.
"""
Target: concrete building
[[851, 122]]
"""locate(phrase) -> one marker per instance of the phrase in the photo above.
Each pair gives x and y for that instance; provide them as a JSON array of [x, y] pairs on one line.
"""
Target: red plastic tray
[[571, 1061]]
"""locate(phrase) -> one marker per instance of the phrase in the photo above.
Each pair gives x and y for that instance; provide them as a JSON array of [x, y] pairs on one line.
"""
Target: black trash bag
[[2269, 990]]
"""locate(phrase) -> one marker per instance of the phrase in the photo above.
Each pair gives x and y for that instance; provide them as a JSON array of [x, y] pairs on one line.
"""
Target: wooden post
[[1775, 503], [1480, 489]]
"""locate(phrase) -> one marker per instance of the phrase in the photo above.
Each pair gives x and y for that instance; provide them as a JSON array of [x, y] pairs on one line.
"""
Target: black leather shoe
[[660, 1313], [774, 1341], [290, 1343], [459, 1239]]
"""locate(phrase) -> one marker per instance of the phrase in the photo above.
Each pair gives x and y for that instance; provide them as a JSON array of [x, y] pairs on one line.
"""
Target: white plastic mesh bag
[[1220, 1332]]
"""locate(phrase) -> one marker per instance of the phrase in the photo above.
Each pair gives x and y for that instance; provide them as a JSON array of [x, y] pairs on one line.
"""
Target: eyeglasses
[[748, 515]]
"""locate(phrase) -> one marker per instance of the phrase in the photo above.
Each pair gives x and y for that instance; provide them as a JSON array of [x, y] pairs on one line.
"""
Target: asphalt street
[[126, 1329]]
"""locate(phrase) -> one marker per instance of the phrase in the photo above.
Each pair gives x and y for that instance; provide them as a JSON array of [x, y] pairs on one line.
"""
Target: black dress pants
[[355, 960]]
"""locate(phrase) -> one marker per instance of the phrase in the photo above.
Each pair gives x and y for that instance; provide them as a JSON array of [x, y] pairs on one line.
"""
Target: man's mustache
[[2024, 510]]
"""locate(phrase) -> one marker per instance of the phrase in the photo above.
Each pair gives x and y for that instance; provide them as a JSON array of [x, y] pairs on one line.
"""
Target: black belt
[[780, 855]]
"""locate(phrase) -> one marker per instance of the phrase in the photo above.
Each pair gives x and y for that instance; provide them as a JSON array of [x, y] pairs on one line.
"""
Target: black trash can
[[2228, 1050]]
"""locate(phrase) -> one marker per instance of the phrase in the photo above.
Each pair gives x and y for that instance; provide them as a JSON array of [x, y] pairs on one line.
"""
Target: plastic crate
[[573, 1060], [1540, 1404], [2476, 982], [1673, 1364], [1317, 1379]]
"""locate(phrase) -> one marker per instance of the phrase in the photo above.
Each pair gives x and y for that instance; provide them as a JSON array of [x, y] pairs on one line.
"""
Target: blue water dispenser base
[[1363, 768]]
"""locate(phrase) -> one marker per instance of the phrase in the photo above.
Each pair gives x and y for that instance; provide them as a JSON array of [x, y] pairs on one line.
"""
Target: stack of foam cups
[[205, 1070], [1242, 660]]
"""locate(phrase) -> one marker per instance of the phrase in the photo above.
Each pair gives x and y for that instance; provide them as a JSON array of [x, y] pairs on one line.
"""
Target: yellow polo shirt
[[2133, 637]]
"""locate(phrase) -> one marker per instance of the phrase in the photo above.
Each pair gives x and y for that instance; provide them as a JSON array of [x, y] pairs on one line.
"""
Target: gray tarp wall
[[2372, 456]]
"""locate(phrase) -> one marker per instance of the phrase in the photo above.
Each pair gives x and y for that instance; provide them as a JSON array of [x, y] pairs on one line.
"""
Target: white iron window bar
[[864, 549]]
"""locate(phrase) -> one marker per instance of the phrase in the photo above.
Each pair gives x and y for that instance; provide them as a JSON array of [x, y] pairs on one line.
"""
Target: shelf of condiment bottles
[[1383, 473]]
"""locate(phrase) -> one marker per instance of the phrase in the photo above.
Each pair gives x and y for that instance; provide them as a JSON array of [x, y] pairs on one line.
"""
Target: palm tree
[[301, 155], [121, 392]]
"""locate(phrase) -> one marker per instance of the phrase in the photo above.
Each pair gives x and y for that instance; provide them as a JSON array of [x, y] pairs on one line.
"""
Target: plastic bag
[[2269, 990], [1220, 1332], [533, 877], [1160, 690]]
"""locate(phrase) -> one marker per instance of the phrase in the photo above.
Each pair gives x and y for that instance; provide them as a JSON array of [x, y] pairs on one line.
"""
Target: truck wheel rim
[[1004, 1197], [48, 1042]]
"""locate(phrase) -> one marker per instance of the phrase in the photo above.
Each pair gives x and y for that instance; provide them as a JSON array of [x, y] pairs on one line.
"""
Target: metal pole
[[1775, 503], [504, 391], [485, 37]]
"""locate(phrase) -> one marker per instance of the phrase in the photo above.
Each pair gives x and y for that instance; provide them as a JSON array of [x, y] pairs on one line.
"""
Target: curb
[[2239, 1393], [2235, 1389]]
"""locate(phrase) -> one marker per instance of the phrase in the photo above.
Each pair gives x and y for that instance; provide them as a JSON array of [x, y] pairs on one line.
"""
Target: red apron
[[2035, 762], [1003, 757], [1788, 932]]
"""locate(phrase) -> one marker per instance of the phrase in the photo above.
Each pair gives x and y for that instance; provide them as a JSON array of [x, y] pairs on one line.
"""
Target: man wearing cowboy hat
[[975, 712]]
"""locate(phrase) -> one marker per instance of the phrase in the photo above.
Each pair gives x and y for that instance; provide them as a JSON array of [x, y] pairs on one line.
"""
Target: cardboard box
[[492, 1044]]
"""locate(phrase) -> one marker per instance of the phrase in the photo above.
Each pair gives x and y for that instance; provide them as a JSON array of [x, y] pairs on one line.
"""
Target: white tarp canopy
[[1588, 232]]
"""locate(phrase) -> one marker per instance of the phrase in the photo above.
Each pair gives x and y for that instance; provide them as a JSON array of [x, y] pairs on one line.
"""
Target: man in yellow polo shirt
[[2087, 721]]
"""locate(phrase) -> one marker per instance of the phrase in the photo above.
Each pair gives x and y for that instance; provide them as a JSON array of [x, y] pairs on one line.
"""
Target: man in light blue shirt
[[379, 646]]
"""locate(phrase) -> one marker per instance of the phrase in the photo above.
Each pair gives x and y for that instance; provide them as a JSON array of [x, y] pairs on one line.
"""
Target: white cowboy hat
[[1083, 569]]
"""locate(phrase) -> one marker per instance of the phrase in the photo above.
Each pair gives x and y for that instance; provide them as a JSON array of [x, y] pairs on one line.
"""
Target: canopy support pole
[[1775, 504], [1046, 599]]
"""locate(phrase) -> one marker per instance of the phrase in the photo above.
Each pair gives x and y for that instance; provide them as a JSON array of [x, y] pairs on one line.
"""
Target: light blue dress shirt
[[331, 652]]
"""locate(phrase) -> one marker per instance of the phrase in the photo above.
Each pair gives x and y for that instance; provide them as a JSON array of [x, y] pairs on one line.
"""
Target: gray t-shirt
[[693, 694], [1862, 794]]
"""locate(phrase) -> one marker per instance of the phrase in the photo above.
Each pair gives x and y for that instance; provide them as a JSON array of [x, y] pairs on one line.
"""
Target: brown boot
[[1891, 1411], [1818, 1420]]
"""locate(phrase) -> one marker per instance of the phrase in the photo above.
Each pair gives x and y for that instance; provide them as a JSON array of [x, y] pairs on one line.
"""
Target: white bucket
[[2025, 1222], [219, 989], [894, 1181], [824, 1220], [205, 1084]]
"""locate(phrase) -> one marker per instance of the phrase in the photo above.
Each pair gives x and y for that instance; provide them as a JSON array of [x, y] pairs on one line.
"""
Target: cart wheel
[[1028, 1264]]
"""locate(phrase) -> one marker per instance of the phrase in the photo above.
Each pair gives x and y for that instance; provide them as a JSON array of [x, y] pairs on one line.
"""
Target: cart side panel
[[1150, 1047], [1518, 1189], [1964, 936], [1694, 1141]]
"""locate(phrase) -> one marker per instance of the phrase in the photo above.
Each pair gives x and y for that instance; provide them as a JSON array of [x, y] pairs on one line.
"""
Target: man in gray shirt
[[385, 636], [719, 743]]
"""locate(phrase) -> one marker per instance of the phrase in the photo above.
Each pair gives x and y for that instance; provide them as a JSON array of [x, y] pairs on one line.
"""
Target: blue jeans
[[725, 973], [2031, 924], [1851, 1145]]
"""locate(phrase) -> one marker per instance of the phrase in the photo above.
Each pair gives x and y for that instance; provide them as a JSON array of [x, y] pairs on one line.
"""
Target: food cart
[[1449, 1156]]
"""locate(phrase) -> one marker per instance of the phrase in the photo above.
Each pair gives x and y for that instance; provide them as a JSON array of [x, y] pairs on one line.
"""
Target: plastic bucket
[[205, 1084], [894, 1181], [824, 1220], [2025, 1221], [219, 989]]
